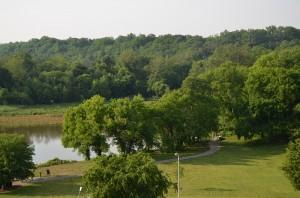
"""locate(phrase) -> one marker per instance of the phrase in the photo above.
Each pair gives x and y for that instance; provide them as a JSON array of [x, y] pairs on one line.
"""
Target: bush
[[126, 176], [15, 159], [292, 165]]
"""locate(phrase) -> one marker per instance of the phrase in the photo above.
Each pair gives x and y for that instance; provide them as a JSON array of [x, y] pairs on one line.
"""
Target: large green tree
[[130, 124], [185, 116], [84, 128], [130, 176], [227, 84], [273, 92], [15, 159]]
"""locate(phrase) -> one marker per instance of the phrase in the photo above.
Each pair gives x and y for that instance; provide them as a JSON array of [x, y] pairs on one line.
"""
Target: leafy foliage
[[15, 159], [83, 127], [130, 124], [133, 175], [292, 165], [48, 70]]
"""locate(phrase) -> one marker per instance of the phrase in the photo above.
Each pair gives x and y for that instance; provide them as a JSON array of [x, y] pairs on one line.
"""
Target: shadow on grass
[[68, 187], [218, 189], [238, 153]]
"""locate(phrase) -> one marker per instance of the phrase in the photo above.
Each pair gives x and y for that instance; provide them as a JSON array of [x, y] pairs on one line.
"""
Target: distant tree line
[[48, 70]]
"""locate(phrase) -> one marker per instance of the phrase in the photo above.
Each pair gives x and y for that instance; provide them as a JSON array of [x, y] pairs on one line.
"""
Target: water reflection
[[48, 145]]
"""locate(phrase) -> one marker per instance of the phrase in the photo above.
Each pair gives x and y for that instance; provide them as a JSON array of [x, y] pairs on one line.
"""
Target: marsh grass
[[13, 117], [8, 123], [12, 110]]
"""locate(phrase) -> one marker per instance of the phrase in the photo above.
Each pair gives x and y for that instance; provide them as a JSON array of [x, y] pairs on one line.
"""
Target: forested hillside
[[48, 70]]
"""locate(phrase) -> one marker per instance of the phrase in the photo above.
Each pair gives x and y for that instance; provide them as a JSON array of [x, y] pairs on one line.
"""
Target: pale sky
[[21, 20]]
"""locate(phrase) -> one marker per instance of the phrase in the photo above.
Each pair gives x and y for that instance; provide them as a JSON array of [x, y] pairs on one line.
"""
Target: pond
[[47, 144]]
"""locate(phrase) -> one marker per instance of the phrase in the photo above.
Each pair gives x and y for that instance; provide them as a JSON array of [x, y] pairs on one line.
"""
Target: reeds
[[27, 121]]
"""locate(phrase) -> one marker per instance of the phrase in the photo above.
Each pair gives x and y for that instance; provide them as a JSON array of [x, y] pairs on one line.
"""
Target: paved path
[[213, 147]]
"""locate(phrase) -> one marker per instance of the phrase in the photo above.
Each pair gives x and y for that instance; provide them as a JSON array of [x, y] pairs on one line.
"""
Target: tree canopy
[[49, 70], [134, 175], [15, 159]]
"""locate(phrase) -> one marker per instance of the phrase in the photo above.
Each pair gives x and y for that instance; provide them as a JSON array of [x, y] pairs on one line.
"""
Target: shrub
[[55, 161], [129, 176], [292, 165], [15, 159]]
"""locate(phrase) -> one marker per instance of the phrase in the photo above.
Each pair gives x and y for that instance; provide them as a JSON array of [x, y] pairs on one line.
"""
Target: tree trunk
[[87, 154]]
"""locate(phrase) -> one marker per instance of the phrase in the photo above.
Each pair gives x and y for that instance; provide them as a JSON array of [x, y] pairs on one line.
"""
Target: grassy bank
[[12, 110], [13, 117], [237, 170]]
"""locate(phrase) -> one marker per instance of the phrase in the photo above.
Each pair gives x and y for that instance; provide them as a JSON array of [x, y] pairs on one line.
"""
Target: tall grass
[[8, 123], [12, 110]]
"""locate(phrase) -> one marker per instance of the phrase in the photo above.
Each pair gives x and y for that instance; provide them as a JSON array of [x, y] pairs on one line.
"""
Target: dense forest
[[49, 70]]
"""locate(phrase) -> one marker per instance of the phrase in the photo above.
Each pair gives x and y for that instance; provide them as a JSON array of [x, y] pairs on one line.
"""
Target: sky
[[22, 20]]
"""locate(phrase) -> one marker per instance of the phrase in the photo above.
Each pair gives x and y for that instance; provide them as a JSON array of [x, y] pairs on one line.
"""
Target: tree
[[286, 58], [273, 92], [20, 66], [129, 176], [15, 159], [167, 73], [242, 55], [130, 123], [292, 164], [135, 64], [227, 84], [83, 127], [185, 116], [201, 109], [6, 79], [171, 120]]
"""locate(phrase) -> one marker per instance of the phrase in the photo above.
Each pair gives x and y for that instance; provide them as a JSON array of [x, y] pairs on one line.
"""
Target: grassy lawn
[[65, 188], [237, 170], [190, 150], [77, 168]]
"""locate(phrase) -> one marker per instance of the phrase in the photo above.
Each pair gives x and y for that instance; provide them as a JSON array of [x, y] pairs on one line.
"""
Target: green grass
[[77, 168], [9, 110], [190, 150], [65, 188], [237, 170]]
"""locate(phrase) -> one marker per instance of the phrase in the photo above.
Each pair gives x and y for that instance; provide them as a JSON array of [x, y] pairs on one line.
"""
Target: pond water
[[47, 144]]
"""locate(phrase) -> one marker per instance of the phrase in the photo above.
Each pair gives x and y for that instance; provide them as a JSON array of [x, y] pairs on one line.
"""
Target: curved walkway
[[213, 147]]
